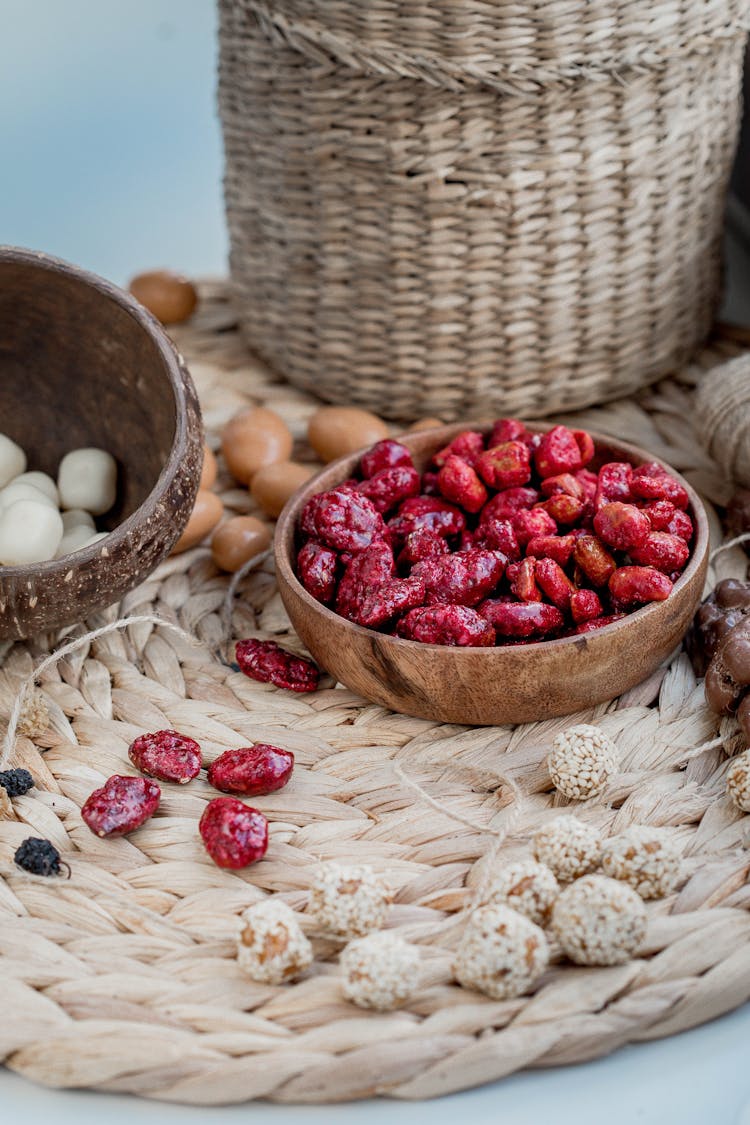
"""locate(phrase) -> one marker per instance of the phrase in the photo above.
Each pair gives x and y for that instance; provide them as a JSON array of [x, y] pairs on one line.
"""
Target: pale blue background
[[111, 157]]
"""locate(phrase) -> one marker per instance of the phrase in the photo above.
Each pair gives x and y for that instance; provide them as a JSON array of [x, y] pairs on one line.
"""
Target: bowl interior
[[77, 369]]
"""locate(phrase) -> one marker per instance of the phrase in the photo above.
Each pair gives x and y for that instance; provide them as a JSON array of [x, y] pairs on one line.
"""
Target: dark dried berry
[[233, 834], [271, 664], [252, 771], [121, 805], [40, 857], [16, 782], [168, 755]]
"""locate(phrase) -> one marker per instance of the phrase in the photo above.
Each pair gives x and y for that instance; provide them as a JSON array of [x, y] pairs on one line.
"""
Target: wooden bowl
[[83, 364], [488, 686]]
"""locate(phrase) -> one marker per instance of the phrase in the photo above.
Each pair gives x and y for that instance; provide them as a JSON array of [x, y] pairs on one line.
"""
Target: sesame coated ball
[[34, 718], [568, 847], [501, 953], [526, 886], [582, 762], [647, 858], [738, 781], [272, 947], [349, 901], [599, 921], [379, 971]]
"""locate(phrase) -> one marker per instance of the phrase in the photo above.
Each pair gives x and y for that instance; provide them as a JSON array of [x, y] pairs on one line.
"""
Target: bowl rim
[[174, 368], [284, 539]]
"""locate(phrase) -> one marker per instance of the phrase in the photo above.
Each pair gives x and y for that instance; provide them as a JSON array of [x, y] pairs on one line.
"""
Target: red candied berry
[[522, 619], [388, 601], [682, 525], [585, 444], [463, 578], [252, 770], [429, 512], [564, 508], [168, 755], [459, 482], [589, 482], [390, 486], [530, 525], [555, 583], [505, 466], [507, 503], [522, 577], [121, 805], [661, 550], [346, 520], [652, 482], [233, 834], [621, 526], [467, 445], [367, 570], [598, 623], [585, 605], [565, 483], [271, 664], [594, 560], [455, 625], [557, 452], [633, 585], [507, 429], [387, 454], [317, 566], [497, 535], [614, 483], [422, 544], [557, 547]]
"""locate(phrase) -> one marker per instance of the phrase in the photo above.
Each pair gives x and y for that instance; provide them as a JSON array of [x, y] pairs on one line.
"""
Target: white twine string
[[226, 609], [738, 539], [9, 741]]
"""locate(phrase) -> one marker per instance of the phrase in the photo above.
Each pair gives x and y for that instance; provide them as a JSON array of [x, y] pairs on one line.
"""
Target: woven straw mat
[[123, 978]]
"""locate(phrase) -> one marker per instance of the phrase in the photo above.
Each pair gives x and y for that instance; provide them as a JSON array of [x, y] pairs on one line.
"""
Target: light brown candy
[[170, 297], [424, 424], [209, 470], [238, 540], [205, 515], [272, 486], [253, 439], [334, 431]]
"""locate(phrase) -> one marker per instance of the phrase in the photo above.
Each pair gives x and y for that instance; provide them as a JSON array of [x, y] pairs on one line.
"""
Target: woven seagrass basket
[[455, 207]]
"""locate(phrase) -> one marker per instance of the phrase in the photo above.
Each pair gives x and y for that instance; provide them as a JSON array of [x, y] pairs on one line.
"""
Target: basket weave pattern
[[480, 206], [124, 977]]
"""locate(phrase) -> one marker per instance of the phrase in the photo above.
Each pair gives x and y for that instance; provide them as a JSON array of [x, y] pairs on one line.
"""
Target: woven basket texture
[[124, 977], [482, 206]]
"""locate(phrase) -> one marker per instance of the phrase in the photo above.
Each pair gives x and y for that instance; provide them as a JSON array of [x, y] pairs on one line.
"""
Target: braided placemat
[[123, 977]]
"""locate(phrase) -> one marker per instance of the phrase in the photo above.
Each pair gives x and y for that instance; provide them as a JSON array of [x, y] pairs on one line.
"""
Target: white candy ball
[[42, 482], [17, 490], [76, 517], [30, 532], [79, 536], [12, 460], [87, 478]]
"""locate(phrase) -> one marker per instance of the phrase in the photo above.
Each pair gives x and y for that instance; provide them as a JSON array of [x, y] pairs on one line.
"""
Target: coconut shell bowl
[[488, 686], [83, 364]]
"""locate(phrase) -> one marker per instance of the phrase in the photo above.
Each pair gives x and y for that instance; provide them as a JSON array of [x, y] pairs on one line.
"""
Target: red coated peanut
[[463, 578], [389, 487], [166, 754], [497, 535], [121, 805], [346, 520], [585, 605], [271, 664], [557, 547], [446, 625], [530, 525], [429, 512], [652, 482], [594, 560], [468, 445], [505, 505], [564, 508], [614, 484], [621, 526], [388, 601], [634, 585], [558, 452], [505, 466], [387, 454], [317, 566], [422, 544], [252, 770], [522, 619], [367, 570], [522, 577], [233, 834], [458, 482], [507, 429], [598, 623], [661, 550], [555, 583]]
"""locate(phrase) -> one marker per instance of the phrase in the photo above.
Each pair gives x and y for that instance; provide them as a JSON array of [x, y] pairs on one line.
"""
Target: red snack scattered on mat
[[271, 664], [121, 805], [168, 755], [252, 771], [513, 538], [233, 834]]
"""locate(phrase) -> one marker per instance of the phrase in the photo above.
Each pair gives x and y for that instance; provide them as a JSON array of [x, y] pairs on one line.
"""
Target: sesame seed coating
[[379, 971], [738, 781], [501, 953], [568, 846], [526, 886], [272, 947], [582, 761], [599, 921], [349, 901], [646, 858]]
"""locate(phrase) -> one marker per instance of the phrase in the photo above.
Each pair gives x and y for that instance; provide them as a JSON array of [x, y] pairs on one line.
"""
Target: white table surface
[[112, 159]]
